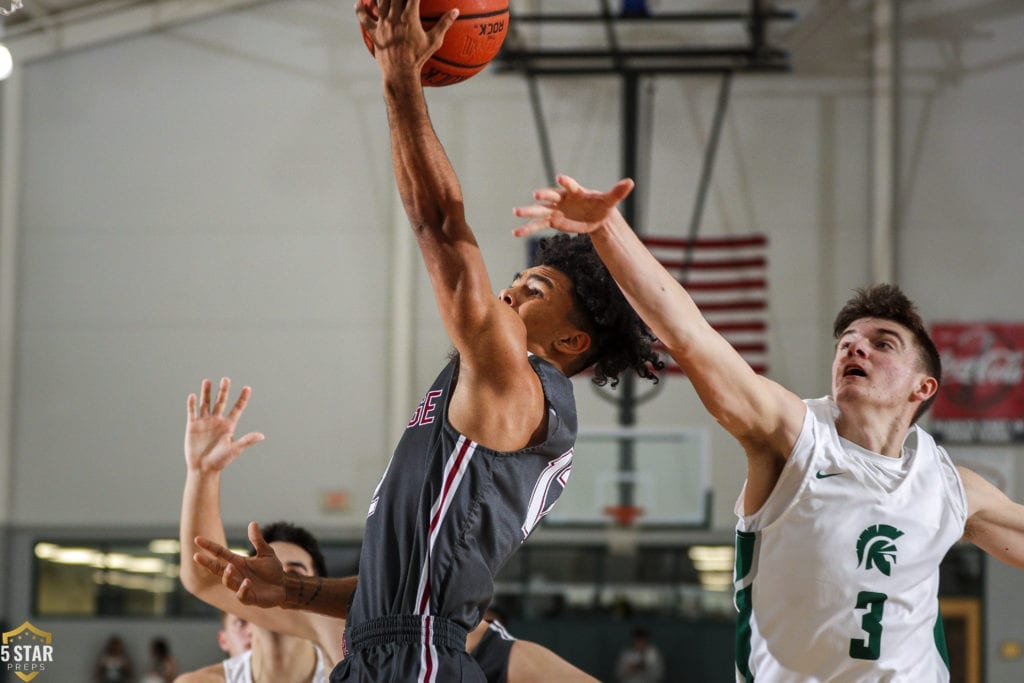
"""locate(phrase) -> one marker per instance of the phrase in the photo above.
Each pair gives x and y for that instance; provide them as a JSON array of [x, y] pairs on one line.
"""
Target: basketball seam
[[435, 58], [466, 17]]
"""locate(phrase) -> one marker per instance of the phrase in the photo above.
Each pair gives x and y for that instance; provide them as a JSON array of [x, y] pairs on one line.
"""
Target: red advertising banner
[[982, 394]]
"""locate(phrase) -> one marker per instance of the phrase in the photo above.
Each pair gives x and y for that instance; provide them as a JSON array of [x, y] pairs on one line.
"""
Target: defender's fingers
[[549, 194], [243, 399], [621, 189], [190, 405], [248, 440], [569, 183], [204, 398], [222, 396], [532, 211], [531, 228]]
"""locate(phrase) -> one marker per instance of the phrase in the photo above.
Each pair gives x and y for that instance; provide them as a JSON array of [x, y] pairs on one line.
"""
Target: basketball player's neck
[[282, 659], [878, 432]]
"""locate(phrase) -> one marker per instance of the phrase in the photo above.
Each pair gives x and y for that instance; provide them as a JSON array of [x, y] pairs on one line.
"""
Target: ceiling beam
[[53, 34]]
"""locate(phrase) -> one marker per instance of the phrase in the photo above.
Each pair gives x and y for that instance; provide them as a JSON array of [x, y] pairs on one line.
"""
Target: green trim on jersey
[[745, 541], [940, 638]]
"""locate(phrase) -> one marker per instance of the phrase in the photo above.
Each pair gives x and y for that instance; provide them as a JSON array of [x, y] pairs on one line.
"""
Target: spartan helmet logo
[[875, 548], [9, 7]]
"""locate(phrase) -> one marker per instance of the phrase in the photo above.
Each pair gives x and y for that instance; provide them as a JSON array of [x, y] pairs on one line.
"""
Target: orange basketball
[[470, 44]]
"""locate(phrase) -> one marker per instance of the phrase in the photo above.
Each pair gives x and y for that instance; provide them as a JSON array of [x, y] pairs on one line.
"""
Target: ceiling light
[[6, 62], [165, 546]]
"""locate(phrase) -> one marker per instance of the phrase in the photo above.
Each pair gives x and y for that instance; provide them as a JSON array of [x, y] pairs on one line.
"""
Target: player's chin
[[844, 389]]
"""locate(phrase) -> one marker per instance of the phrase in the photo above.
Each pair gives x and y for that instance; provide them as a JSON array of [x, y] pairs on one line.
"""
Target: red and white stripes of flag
[[727, 278]]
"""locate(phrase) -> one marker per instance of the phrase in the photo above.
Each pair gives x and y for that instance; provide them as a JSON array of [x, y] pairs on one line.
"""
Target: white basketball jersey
[[238, 669], [837, 575]]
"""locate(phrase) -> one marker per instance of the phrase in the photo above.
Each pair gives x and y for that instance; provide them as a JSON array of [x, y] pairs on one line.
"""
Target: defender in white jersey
[[833, 583], [239, 669], [286, 645], [860, 602]]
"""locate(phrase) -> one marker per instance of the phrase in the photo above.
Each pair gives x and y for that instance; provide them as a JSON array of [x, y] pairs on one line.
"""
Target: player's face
[[293, 558], [876, 361], [295, 561], [542, 296], [236, 635]]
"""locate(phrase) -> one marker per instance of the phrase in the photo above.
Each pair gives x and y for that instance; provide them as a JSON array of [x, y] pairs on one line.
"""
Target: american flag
[[727, 278]]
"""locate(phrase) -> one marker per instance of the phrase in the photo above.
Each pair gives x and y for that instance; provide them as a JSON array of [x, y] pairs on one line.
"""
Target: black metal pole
[[721, 105], [542, 128], [627, 401]]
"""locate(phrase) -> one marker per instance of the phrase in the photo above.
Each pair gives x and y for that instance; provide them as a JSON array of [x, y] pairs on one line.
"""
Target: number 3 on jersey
[[872, 625]]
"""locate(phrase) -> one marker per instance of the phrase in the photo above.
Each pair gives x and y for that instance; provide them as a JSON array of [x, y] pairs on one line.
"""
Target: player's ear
[[926, 388], [575, 343]]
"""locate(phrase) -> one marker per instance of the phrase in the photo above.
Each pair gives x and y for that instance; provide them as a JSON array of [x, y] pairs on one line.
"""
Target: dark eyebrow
[[880, 330], [543, 280], [891, 333], [296, 564]]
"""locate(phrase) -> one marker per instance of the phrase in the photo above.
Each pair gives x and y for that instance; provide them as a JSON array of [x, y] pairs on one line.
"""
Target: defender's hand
[[573, 208], [209, 433]]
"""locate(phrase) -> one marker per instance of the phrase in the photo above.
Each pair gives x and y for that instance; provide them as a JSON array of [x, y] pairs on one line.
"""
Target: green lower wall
[[693, 651]]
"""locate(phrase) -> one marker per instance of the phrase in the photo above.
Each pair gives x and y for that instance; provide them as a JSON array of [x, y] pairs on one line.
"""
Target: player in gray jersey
[[490, 448], [848, 507], [288, 636]]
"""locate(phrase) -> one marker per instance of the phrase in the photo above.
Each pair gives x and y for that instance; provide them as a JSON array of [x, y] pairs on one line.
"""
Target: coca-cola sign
[[982, 392]]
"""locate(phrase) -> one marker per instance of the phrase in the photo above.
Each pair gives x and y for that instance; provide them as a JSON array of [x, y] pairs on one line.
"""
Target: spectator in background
[[235, 634], [163, 668], [114, 665], [641, 661]]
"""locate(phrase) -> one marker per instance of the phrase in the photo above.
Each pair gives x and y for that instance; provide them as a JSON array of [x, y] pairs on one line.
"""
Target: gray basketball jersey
[[448, 512], [837, 574]]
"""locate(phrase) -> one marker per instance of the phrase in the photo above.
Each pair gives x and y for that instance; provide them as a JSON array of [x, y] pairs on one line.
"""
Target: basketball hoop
[[622, 534], [623, 515]]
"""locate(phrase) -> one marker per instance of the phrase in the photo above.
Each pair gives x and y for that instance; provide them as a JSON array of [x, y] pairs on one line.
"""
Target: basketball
[[470, 44]]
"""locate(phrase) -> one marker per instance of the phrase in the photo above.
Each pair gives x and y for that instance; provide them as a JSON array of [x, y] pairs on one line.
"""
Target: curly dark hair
[[619, 339], [888, 302], [286, 532]]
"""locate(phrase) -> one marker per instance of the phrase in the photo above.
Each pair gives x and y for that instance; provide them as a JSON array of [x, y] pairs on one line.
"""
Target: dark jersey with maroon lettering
[[448, 512]]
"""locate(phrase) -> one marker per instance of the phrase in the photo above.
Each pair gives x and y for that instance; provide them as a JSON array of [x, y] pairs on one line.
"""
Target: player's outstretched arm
[[261, 581], [994, 522], [213, 673], [487, 334], [764, 416], [210, 446], [531, 662]]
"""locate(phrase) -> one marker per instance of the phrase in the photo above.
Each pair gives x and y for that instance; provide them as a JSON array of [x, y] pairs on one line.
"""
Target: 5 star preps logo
[[8, 7], [26, 651]]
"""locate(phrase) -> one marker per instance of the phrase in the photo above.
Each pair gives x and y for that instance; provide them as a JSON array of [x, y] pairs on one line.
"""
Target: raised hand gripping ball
[[470, 44]]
